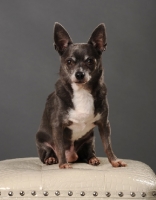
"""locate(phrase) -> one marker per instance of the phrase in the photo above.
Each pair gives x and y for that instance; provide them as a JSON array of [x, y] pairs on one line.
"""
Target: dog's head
[[80, 62]]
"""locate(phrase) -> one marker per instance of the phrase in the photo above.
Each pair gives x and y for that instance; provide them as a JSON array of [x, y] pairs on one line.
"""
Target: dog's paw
[[94, 161], [65, 166], [118, 163], [51, 160]]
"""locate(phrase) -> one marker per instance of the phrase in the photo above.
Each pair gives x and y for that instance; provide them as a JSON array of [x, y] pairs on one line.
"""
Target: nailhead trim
[[57, 193], [132, 194], [82, 193], [95, 194], [108, 194], [154, 193], [70, 193], [120, 194], [33, 193], [45, 193], [143, 194], [10, 193], [22, 193]]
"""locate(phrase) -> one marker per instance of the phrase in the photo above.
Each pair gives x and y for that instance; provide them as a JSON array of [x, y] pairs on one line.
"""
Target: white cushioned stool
[[28, 178]]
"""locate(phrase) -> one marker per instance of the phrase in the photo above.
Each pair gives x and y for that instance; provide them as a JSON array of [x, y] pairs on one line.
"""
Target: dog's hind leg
[[45, 150], [47, 156]]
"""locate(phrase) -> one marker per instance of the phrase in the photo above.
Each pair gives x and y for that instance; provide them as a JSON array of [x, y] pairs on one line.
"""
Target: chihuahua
[[78, 104]]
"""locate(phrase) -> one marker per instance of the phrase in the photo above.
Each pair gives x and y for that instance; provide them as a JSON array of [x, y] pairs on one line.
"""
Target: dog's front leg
[[57, 133], [105, 133]]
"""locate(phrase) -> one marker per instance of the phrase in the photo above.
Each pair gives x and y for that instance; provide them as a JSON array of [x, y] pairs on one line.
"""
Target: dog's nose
[[79, 75]]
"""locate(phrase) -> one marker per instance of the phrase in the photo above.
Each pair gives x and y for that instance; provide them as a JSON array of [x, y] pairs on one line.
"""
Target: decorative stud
[[132, 194], [10, 193], [108, 194], [95, 194], [22, 193], [120, 194], [82, 193], [57, 193], [70, 193], [33, 193], [45, 193], [143, 194], [154, 193]]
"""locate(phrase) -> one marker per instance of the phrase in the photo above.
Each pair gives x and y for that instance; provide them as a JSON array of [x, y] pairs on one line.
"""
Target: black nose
[[79, 75]]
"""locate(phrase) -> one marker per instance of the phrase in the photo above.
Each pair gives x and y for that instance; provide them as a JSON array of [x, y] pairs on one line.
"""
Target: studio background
[[29, 68]]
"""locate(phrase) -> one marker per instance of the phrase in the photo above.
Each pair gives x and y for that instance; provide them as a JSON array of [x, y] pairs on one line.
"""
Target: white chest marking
[[82, 115]]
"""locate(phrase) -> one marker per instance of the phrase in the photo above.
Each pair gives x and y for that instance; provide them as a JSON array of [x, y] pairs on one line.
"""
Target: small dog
[[77, 105]]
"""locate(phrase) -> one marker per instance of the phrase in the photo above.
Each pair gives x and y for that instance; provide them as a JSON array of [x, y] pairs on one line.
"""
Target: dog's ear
[[61, 38], [98, 38]]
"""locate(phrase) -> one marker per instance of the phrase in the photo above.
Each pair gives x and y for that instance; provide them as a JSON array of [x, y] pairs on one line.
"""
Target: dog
[[78, 104]]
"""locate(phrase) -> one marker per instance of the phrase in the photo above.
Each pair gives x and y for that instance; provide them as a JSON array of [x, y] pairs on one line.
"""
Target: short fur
[[78, 104]]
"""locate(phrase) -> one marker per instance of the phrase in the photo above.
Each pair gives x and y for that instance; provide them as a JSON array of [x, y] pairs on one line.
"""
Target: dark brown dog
[[77, 105]]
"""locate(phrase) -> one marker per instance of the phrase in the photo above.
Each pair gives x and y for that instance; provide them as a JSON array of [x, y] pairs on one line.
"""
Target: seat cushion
[[28, 178]]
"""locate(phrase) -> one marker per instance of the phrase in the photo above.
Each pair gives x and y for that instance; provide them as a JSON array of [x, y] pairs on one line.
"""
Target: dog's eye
[[89, 61], [69, 61]]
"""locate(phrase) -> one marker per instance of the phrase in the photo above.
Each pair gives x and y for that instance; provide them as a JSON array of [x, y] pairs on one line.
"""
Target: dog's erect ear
[[61, 38], [98, 38]]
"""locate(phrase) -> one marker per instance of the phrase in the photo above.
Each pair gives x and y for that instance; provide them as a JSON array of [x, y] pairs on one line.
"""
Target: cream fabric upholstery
[[28, 178]]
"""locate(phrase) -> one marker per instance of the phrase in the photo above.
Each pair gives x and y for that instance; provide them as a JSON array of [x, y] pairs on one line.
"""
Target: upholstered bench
[[28, 178]]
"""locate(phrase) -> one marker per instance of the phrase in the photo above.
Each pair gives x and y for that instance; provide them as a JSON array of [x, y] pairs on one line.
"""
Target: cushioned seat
[[28, 178]]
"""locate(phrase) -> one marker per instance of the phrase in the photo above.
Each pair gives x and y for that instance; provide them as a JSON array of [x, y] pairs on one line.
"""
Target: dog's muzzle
[[80, 75]]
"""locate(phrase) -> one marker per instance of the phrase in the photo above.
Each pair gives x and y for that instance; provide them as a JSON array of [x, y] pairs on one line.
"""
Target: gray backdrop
[[29, 67]]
